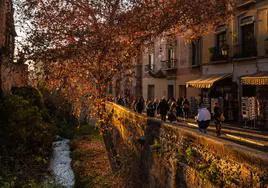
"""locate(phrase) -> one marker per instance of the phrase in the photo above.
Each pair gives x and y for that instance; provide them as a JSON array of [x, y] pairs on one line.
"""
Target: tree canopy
[[84, 44]]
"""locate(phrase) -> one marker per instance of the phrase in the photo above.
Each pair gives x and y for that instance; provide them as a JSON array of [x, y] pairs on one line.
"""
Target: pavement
[[233, 132]]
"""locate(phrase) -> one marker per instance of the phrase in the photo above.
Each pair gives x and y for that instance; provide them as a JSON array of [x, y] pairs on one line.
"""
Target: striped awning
[[260, 78], [207, 81]]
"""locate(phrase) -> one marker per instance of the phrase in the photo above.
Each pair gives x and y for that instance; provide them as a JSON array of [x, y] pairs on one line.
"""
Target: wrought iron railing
[[246, 50], [149, 67], [169, 64]]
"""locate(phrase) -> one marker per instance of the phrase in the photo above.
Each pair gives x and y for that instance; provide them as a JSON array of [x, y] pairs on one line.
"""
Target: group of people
[[172, 109]]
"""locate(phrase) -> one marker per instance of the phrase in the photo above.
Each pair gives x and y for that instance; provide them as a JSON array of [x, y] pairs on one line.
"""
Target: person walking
[[150, 109], [172, 112], [186, 108], [155, 105], [120, 100], [140, 105], [163, 108], [217, 118], [133, 104], [203, 118], [179, 107]]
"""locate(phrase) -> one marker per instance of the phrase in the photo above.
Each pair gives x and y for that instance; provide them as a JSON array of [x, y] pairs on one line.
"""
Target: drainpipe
[[239, 87]]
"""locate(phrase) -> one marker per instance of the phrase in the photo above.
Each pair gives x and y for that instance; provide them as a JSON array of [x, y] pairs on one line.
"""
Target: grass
[[89, 160]]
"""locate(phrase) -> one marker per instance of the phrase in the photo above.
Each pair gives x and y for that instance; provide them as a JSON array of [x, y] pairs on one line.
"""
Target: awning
[[207, 81], [260, 78]]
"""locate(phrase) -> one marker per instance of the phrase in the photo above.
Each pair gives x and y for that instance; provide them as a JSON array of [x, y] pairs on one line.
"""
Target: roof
[[207, 81]]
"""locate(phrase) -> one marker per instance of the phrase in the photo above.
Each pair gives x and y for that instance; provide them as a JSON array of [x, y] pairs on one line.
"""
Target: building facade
[[235, 64], [228, 65], [167, 64]]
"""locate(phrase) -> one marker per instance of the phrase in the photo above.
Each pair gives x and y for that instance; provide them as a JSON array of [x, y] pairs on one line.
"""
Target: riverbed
[[60, 163]]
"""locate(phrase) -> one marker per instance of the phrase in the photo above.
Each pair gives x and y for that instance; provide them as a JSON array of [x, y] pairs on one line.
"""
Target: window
[[248, 43], [151, 92], [182, 90], [151, 61], [170, 91], [171, 57], [196, 52], [221, 44], [170, 54]]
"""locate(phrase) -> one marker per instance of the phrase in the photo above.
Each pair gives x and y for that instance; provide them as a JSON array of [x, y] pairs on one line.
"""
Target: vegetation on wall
[[25, 141]]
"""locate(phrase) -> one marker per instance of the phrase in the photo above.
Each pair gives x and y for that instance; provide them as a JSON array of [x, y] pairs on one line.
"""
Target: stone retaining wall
[[164, 155]]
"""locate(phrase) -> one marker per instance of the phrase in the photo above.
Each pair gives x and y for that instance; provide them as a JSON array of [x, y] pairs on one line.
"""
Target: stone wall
[[13, 75], [154, 154]]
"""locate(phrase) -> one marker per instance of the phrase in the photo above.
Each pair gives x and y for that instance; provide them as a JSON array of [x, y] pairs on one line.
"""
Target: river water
[[60, 163]]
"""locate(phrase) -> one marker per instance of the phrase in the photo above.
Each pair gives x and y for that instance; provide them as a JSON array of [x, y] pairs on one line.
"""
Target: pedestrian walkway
[[251, 138], [235, 133]]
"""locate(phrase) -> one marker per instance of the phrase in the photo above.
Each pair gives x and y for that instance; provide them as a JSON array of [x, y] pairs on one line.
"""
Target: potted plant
[[213, 51]]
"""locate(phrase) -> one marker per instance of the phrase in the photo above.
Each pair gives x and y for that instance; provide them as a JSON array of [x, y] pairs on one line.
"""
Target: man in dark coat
[[140, 105], [217, 114], [186, 108], [163, 108]]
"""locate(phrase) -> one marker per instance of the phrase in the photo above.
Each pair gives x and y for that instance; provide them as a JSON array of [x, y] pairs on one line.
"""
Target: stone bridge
[[151, 153]]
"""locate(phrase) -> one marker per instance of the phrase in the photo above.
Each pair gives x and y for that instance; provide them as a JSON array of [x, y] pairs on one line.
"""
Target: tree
[[84, 44]]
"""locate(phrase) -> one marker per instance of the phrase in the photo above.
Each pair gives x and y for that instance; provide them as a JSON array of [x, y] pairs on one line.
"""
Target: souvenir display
[[249, 108]]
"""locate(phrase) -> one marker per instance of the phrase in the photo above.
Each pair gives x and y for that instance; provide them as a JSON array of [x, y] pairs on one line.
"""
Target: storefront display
[[249, 108], [254, 98]]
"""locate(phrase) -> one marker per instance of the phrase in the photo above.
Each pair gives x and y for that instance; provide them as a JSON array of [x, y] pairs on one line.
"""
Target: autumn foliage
[[85, 44]]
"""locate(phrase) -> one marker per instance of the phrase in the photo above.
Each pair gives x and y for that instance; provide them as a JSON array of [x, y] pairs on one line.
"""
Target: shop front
[[218, 88], [254, 100]]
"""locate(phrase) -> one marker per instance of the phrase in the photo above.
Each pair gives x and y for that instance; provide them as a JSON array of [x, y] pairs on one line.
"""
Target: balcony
[[245, 51], [221, 54], [169, 65], [149, 68], [243, 3]]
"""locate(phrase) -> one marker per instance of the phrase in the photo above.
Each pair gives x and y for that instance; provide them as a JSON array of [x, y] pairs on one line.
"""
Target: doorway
[[170, 91]]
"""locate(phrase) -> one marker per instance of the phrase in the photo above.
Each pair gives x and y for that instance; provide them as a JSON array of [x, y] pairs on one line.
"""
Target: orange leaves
[[85, 45]]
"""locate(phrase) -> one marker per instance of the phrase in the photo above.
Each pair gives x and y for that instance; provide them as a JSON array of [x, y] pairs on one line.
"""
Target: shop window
[[151, 92], [249, 91]]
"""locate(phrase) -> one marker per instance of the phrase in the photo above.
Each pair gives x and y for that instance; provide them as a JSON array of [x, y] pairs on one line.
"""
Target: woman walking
[[218, 118]]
